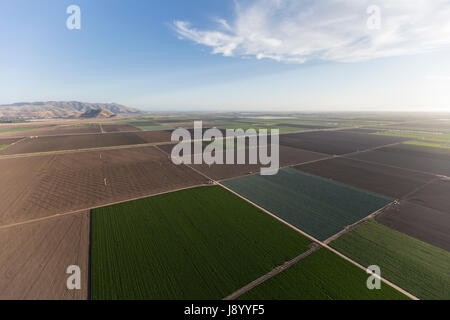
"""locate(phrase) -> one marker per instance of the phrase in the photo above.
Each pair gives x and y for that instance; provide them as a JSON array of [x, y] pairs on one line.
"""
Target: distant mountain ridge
[[65, 110]]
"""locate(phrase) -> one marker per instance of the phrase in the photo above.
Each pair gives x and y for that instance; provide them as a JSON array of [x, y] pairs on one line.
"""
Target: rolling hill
[[65, 109]]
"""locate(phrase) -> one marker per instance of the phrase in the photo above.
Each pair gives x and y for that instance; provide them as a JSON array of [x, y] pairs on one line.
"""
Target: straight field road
[[274, 272]]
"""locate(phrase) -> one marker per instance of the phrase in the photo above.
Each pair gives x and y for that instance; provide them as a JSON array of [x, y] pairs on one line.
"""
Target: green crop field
[[321, 276], [428, 144], [19, 129], [419, 268], [2, 146], [201, 243], [318, 206], [436, 137]]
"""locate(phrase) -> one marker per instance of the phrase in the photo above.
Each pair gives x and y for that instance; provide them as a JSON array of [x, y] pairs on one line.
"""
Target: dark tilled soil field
[[288, 156], [47, 185], [35, 256], [119, 128], [155, 136], [377, 178], [73, 142], [425, 224], [336, 142], [425, 159], [435, 195], [7, 141]]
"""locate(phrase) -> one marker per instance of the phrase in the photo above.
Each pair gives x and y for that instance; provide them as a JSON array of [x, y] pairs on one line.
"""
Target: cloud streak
[[332, 30]]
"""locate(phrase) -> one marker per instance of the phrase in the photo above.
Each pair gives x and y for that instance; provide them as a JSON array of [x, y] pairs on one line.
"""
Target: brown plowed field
[[53, 130], [426, 224], [435, 195], [35, 256], [119, 128], [336, 142], [46, 185], [155, 136], [288, 156], [73, 142], [377, 178], [432, 160], [6, 141]]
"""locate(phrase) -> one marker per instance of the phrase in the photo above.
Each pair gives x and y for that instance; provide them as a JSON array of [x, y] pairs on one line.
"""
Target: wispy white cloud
[[333, 30]]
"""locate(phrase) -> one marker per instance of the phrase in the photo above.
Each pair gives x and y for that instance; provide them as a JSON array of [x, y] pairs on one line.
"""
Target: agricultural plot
[[385, 180], [435, 195], [321, 276], [429, 144], [155, 136], [41, 186], [318, 206], [35, 256], [336, 142], [119, 128], [50, 130], [201, 243], [429, 225], [421, 269], [420, 158], [433, 137], [73, 142], [288, 156]]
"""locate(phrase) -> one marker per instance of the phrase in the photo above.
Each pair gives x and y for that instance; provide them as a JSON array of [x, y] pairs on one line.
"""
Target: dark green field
[[321, 276], [419, 268], [201, 243], [318, 206]]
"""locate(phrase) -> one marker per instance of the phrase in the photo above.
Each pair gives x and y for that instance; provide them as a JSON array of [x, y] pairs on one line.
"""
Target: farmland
[[202, 243], [318, 206], [46, 185], [416, 266], [433, 137], [321, 276], [34, 258], [156, 230], [429, 225], [420, 158], [385, 180], [336, 142], [73, 142], [435, 195]]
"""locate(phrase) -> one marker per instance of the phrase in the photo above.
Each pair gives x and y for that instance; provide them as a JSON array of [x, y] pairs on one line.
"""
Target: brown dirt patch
[[377, 178], [34, 258], [46, 185], [429, 225]]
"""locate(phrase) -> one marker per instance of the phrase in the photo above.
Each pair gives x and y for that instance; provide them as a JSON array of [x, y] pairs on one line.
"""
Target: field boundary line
[[32, 154], [321, 243], [394, 167], [78, 211], [353, 226], [277, 270]]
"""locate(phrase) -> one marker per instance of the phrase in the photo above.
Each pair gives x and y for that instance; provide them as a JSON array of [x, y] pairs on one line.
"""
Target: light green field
[[20, 129], [2, 146], [419, 136], [428, 144], [200, 243], [420, 268], [321, 276]]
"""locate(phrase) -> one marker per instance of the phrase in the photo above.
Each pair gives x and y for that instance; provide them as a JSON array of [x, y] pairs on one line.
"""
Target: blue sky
[[252, 55]]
